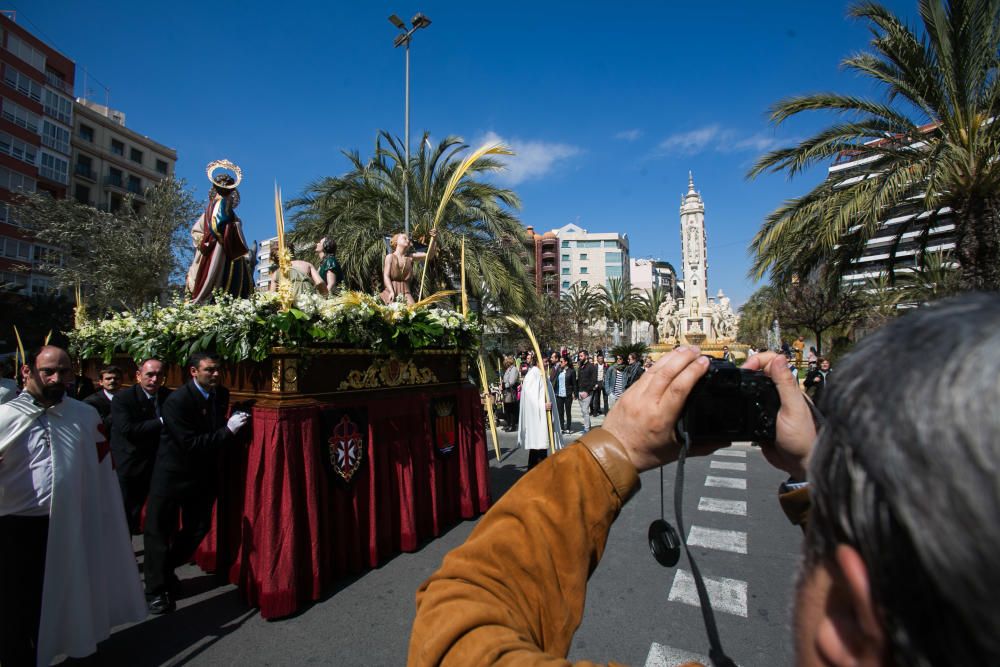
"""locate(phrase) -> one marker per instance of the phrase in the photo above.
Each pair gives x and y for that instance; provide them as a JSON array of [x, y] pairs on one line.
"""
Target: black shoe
[[162, 604]]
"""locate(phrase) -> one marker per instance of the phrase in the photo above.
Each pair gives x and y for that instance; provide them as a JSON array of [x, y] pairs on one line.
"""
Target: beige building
[[111, 161], [591, 259], [649, 273]]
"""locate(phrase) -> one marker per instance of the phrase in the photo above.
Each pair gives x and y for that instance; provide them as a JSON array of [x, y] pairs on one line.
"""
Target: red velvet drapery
[[292, 527]]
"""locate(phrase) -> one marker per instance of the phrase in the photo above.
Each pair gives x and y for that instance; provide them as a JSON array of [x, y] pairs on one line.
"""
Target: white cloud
[[629, 135], [718, 139], [531, 159]]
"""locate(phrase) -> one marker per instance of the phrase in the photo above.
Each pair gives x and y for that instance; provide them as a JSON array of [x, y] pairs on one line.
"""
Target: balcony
[[83, 171], [114, 182], [548, 254]]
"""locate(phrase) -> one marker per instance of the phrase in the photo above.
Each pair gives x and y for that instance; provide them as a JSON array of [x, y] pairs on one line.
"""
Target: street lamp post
[[419, 21]]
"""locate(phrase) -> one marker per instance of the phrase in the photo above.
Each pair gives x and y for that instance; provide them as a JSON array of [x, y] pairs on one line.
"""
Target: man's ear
[[850, 631]]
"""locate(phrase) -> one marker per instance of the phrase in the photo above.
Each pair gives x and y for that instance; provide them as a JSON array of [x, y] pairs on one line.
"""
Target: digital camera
[[731, 404]]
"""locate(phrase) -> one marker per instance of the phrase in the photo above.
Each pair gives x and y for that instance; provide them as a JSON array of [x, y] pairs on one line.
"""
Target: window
[[54, 168], [565, 257], [114, 177], [588, 244], [57, 80], [84, 166], [22, 84], [565, 271], [117, 147], [58, 107], [25, 52], [82, 193], [40, 284], [613, 257], [15, 181], [583, 269], [566, 244], [20, 116], [55, 137], [565, 284], [135, 155], [16, 148], [15, 249], [585, 283], [613, 271], [135, 185], [162, 167], [583, 256], [611, 244], [87, 133]]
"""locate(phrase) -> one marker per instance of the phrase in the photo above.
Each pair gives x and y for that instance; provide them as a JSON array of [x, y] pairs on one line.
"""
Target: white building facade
[[591, 259]]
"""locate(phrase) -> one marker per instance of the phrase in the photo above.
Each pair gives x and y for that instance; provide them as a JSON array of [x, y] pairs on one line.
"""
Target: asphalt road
[[637, 611]]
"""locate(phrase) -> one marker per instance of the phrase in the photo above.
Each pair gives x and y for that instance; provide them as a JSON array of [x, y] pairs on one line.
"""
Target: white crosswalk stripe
[[734, 541], [737, 507], [738, 453], [725, 595], [726, 482], [728, 465]]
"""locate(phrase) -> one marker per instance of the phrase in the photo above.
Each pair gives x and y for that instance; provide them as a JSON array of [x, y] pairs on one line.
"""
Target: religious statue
[[667, 318], [330, 271], [694, 306], [221, 258], [397, 269]]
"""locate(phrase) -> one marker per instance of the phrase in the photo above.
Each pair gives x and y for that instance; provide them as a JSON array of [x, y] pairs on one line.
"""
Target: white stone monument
[[697, 317]]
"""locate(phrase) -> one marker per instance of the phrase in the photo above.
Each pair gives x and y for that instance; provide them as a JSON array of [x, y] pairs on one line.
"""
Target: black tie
[[156, 407]]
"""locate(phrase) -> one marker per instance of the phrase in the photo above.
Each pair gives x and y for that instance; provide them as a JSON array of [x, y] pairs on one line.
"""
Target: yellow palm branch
[[433, 298], [519, 321], [489, 405], [449, 190]]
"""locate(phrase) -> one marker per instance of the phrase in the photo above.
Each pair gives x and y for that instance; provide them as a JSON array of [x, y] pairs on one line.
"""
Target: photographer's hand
[[795, 431], [644, 418]]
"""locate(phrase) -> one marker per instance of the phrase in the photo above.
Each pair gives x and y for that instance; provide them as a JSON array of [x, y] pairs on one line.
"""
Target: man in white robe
[[67, 569], [533, 432]]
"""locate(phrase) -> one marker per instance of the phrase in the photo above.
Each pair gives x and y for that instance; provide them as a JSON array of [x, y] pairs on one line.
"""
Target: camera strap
[[716, 652]]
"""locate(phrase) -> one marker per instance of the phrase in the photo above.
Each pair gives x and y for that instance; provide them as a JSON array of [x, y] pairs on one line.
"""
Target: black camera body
[[732, 404]]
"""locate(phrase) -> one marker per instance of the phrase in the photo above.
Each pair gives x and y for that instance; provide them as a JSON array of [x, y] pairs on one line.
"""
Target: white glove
[[237, 421]]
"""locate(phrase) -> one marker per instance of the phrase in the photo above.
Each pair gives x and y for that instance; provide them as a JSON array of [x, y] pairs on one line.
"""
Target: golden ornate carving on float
[[390, 372], [284, 374]]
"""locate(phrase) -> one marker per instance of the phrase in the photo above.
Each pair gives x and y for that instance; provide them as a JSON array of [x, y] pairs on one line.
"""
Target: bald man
[[67, 569]]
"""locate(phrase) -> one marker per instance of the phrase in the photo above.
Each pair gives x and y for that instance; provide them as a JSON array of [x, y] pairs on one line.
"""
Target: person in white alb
[[67, 569]]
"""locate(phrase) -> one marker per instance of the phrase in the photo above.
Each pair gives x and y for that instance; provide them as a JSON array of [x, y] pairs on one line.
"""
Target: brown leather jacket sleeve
[[514, 593]]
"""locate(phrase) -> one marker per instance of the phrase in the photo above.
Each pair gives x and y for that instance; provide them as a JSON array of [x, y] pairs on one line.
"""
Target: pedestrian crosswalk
[[726, 532], [720, 526]]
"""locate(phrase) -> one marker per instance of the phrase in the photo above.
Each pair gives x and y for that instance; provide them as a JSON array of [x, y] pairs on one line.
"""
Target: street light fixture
[[419, 21]]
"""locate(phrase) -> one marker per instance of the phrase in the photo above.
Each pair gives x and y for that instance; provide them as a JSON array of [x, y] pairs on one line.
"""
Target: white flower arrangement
[[240, 329]]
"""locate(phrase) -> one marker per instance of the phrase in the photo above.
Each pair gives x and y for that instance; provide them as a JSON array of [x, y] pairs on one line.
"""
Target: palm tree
[[649, 308], [932, 142], [619, 302], [581, 305], [365, 205], [934, 277]]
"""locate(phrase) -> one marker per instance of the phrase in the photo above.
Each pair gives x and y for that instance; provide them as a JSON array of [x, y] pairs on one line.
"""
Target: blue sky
[[609, 105]]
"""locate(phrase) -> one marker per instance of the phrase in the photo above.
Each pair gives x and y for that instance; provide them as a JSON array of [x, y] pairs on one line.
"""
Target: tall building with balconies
[[543, 261], [36, 121], [111, 161]]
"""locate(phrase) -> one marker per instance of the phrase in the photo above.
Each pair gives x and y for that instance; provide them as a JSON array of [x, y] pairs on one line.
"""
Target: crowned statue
[[221, 257]]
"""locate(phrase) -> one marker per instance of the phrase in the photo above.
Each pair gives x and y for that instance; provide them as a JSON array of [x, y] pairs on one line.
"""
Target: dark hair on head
[[111, 370], [329, 246], [143, 362], [566, 358], [194, 361], [583, 352], [905, 472]]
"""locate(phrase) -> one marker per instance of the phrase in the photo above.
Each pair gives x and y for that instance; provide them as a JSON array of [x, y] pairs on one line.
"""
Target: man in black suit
[[185, 477], [111, 379], [135, 435]]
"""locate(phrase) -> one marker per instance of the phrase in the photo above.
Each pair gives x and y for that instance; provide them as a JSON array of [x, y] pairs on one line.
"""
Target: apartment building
[[111, 161], [649, 273], [543, 261], [36, 120], [591, 259]]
